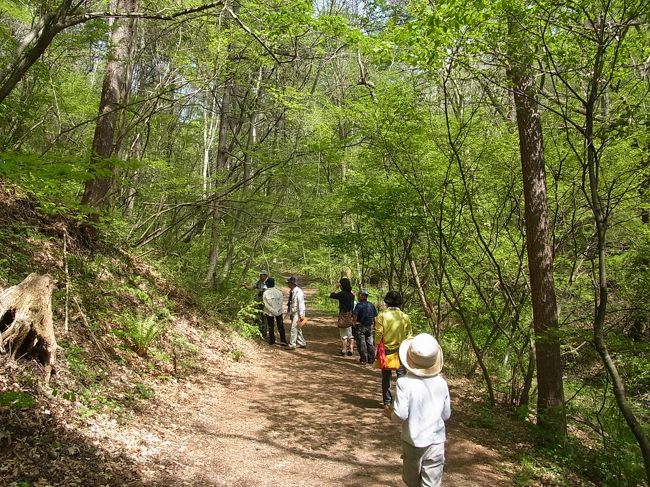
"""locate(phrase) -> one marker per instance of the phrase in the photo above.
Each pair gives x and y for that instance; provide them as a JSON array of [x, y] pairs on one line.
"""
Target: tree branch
[[160, 15], [253, 34]]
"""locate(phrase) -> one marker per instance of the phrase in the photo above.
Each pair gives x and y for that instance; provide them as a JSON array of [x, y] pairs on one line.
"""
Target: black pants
[[364, 335], [270, 320], [385, 382]]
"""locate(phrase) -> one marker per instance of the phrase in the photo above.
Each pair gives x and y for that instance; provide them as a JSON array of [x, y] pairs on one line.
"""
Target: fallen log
[[26, 325]]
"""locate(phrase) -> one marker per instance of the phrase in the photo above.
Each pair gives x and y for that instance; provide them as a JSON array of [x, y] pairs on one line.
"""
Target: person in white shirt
[[296, 312], [422, 406], [273, 301]]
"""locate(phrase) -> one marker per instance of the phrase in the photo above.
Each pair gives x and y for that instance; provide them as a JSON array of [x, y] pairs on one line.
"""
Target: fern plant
[[246, 321], [140, 331]]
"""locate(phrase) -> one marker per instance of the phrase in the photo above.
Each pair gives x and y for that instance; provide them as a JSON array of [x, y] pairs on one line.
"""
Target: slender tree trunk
[[136, 152], [551, 414], [223, 158], [524, 397], [424, 301], [32, 48], [223, 163], [213, 259], [601, 292], [601, 310], [210, 123], [454, 302], [252, 132], [114, 91]]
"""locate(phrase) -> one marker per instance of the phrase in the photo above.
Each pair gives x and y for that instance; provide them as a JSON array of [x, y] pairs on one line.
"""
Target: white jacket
[[273, 300], [297, 303], [422, 406]]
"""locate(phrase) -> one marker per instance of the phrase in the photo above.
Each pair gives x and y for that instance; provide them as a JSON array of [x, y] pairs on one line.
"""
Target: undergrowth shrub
[[246, 321], [77, 361], [16, 400], [139, 331]]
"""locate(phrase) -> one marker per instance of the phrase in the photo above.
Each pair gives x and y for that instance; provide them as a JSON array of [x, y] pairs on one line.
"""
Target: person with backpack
[[364, 329]]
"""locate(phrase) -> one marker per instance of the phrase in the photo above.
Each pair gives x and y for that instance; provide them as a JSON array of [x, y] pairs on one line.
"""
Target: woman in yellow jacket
[[393, 326]]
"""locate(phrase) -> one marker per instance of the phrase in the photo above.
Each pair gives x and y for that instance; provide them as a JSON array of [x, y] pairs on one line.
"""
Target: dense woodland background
[[488, 159]]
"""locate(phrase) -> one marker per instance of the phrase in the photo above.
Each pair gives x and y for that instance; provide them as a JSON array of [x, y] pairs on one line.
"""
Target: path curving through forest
[[294, 418]]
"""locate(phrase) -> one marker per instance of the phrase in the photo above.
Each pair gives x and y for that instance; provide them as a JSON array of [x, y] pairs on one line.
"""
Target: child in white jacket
[[422, 406]]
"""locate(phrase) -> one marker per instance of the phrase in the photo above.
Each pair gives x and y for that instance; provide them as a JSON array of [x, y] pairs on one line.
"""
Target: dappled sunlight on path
[[302, 418]]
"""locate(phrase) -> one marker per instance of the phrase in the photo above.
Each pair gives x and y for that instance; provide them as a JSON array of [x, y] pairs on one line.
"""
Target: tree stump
[[26, 326]]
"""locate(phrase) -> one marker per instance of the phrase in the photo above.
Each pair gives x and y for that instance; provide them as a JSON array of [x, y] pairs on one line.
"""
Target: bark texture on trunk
[[114, 91], [26, 326], [223, 163], [550, 399]]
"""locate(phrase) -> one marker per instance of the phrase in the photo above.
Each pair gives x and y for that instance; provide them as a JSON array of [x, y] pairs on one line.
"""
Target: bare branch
[[160, 15], [252, 33]]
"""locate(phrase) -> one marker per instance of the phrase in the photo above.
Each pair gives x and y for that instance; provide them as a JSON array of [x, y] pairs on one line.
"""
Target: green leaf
[[16, 400]]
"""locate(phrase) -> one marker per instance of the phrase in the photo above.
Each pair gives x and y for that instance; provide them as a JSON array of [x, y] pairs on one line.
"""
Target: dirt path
[[292, 418]]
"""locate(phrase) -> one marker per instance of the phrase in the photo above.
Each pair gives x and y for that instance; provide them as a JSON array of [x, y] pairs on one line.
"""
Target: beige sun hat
[[421, 355]]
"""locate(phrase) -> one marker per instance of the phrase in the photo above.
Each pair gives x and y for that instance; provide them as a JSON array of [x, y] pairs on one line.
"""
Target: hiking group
[[421, 403], [271, 303]]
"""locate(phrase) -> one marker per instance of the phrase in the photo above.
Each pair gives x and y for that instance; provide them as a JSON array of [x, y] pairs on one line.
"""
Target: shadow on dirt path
[[297, 418]]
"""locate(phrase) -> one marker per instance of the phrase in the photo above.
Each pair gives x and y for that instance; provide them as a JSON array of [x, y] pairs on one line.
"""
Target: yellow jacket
[[394, 326]]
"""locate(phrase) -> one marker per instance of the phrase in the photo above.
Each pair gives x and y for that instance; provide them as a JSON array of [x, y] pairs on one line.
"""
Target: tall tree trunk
[[223, 163], [252, 132], [213, 259], [210, 123], [524, 396], [223, 159], [114, 91], [239, 219], [551, 414]]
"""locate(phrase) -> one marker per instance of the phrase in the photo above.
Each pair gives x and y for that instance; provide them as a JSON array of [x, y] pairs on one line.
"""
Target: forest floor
[[273, 417]]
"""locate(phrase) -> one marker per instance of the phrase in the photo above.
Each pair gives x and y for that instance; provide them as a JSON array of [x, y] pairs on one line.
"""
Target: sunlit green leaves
[[16, 400], [15, 10]]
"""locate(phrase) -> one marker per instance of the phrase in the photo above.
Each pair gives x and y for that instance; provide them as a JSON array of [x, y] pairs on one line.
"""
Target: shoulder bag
[[386, 362], [345, 320]]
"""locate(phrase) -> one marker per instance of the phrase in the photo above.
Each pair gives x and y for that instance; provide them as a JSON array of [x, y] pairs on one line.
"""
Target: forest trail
[[294, 418]]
